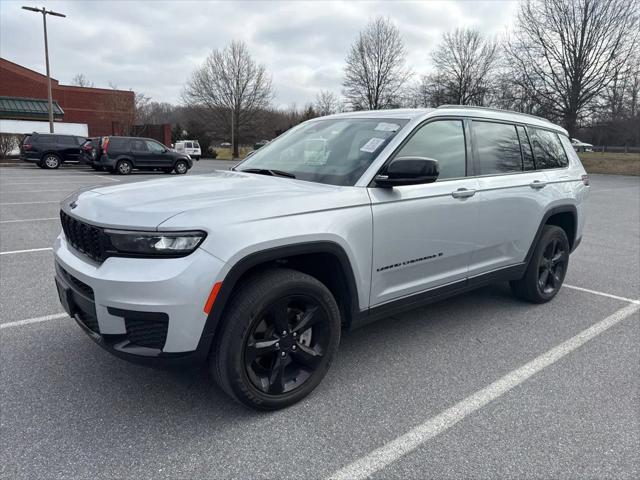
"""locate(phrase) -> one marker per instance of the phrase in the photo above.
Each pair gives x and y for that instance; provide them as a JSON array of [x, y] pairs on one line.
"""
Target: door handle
[[463, 193], [537, 184]]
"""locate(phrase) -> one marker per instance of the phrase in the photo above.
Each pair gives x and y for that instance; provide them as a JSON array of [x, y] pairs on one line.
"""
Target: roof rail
[[491, 109]]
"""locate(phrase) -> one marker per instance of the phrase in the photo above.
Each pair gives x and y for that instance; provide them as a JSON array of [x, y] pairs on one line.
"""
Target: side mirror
[[409, 171]]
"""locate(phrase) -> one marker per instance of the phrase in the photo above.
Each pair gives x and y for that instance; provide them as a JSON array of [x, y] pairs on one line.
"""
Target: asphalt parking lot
[[435, 393]]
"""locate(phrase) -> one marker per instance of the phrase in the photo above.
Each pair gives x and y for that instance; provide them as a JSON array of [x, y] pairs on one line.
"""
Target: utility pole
[[233, 123], [46, 55]]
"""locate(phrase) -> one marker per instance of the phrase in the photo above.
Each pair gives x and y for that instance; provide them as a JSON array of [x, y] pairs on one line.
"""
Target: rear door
[[423, 235], [68, 148], [512, 195], [142, 157]]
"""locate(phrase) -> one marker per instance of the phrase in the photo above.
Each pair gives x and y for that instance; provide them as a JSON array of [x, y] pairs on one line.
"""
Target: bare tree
[[232, 86], [465, 63], [8, 143], [80, 80], [327, 103], [375, 71], [571, 50]]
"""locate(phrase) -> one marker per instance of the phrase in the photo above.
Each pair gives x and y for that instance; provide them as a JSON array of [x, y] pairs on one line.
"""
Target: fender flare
[[548, 214], [243, 265]]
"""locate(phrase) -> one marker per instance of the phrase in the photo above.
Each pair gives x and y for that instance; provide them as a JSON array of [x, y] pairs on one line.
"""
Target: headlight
[[174, 244]]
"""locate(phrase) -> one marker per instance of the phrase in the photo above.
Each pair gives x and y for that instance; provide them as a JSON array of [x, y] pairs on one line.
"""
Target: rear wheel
[[181, 167], [51, 161], [547, 268], [277, 340], [124, 167]]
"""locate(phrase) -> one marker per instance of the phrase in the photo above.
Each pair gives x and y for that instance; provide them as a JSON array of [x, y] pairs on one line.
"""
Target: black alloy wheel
[[278, 336], [552, 267], [286, 344], [547, 267]]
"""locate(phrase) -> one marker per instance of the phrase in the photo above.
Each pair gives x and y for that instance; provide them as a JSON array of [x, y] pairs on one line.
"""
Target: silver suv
[[340, 221]]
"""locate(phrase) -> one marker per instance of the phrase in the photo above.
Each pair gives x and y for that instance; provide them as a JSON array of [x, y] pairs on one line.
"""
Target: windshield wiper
[[267, 171]]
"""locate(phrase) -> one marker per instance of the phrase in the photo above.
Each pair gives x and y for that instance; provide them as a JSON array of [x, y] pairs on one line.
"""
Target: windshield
[[333, 151]]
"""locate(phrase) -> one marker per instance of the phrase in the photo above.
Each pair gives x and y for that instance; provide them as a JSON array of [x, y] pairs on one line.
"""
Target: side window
[[155, 147], [442, 140], [497, 146], [527, 154], [547, 149], [139, 146], [118, 144], [188, 145], [67, 141]]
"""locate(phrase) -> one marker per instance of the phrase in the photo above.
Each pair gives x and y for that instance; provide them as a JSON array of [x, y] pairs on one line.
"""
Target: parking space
[[68, 409]]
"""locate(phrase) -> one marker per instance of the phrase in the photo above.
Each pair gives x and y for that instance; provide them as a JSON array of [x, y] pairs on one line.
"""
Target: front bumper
[[143, 309]]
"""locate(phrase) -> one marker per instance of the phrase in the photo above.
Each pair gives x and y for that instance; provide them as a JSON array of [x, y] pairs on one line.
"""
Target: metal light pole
[[46, 55]]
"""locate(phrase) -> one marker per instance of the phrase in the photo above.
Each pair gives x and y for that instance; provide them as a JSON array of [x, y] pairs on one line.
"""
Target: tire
[[124, 167], [181, 167], [294, 357], [51, 161], [547, 267]]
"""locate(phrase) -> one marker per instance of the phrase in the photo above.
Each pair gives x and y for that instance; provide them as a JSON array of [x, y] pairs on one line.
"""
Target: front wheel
[[547, 268], [181, 167], [277, 341]]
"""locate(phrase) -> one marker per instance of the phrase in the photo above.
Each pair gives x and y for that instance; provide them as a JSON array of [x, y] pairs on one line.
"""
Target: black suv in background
[[123, 154], [48, 150]]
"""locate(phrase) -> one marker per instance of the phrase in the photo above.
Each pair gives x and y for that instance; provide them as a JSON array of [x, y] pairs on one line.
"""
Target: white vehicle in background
[[581, 146], [190, 147]]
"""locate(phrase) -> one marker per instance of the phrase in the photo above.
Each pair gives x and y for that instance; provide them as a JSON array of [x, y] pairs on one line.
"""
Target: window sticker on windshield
[[372, 145], [387, 127]]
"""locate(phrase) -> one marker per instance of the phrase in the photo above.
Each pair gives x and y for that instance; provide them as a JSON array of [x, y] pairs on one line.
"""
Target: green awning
[[17, 108]]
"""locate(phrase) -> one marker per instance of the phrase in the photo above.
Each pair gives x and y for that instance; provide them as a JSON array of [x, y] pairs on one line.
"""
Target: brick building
[[105, 111]]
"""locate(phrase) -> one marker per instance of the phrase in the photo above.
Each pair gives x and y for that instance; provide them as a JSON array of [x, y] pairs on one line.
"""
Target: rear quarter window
[[120, 144], [547, 149]]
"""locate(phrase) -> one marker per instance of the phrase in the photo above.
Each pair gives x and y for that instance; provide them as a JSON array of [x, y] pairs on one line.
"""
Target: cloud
[[153, 47]]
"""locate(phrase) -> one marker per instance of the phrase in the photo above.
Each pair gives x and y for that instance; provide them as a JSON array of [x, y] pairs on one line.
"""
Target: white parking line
[[12, 252], [602, 294], [28, 203], [29, 321], [414, 438], [30, 220]]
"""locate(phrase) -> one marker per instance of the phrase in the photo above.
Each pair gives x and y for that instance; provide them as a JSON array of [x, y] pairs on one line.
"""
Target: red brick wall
[[106, 112]]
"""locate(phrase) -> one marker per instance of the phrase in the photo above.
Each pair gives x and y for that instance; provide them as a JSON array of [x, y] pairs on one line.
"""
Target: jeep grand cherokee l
[[340, 221]]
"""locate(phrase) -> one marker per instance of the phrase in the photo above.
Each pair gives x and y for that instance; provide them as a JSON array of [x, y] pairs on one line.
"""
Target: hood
[[218, 197]]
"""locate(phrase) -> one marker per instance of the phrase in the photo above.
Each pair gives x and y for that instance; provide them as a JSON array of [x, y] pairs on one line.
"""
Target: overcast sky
[[152, 47]]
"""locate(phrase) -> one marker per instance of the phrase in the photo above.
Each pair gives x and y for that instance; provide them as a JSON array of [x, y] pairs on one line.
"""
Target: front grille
[[85, 238]]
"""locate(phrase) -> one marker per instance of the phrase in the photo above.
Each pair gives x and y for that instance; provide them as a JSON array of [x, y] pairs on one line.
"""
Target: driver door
[[423, 235]]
